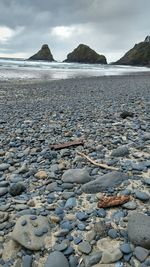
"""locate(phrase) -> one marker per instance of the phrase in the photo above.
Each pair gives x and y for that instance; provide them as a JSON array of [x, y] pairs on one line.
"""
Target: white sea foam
[[22, 69]]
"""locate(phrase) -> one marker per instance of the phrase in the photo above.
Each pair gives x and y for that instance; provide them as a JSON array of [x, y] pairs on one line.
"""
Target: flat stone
[[120, 151], [79, 176], [146, 181], [110, 250], [141, 253], [94, 258], [4, 184], [138, 229], [3, 191], [104, 265], [90, 235], [3, 216], [70, 203], [84, 247], [41, 175], [131, 205], [25, 235], [62, 246], [143, 196], [104, 182], [56, 259], [4, 166], [101, 228]]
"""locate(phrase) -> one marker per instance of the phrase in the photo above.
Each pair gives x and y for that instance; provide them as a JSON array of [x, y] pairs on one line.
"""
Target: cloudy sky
[[111, 27]]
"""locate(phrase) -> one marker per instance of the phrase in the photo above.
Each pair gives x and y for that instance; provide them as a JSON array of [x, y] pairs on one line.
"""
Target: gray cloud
[[109, 26]]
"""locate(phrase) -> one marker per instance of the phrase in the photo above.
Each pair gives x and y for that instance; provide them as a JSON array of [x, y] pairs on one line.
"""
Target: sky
[[110, 27]]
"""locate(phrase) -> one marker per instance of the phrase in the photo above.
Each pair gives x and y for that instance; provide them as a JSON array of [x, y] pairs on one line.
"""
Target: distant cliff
[[84, 54], [139, 55], [43, 54]]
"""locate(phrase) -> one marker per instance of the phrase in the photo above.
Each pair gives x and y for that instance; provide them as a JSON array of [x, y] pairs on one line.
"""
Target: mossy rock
[[84, 54], [139, 55], [43, 54]]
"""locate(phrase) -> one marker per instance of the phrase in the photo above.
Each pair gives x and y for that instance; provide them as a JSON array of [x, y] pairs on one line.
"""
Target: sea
[[20, 69]]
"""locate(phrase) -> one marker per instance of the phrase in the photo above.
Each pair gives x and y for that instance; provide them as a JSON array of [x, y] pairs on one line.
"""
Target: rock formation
[[84, 54], [43, 54], [139, 55]]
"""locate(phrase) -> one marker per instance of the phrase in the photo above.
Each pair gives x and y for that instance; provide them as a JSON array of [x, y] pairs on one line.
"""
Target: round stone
[[84, 247], [126, 248]]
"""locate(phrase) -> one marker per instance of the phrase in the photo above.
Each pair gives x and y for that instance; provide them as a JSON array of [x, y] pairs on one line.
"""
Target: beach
[[111, 116]]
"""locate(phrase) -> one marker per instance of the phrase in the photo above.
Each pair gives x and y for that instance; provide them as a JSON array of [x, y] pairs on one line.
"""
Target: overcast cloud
[[111, 27]]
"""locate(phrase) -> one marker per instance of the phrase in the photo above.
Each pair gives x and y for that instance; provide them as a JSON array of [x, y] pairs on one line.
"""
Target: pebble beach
[[52, 210]]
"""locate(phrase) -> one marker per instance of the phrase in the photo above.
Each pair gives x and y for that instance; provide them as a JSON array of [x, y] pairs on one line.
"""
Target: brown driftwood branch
[[107, 202], [102, 165], [67, 144]]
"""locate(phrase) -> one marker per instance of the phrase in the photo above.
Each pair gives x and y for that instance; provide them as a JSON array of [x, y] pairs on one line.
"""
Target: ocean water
[[22, 69]]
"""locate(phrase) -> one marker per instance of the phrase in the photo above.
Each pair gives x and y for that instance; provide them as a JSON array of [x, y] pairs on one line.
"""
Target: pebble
[[41, 175], [126, 248], [3, 191], [4, 166], [141, 253], [131, 205], [120, 151], [17, 188], [84, 247], [113, 233], [143, 196]]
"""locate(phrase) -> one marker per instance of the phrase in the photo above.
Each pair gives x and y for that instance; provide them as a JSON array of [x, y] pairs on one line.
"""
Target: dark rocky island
[[84, 54], [139, 55], [43, 54]]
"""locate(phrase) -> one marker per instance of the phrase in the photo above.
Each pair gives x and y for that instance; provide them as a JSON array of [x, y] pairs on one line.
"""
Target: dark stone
[[84, 54], [120, 151], [101, 184], [126, 114], [43, 54], [16, 189]]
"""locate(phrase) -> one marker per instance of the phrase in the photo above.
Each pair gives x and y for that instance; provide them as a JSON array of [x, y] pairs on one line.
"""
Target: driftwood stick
[[104, 166], [67, 144]]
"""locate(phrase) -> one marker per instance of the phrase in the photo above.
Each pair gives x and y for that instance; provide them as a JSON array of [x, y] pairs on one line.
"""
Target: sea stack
[[84, 54], [139, 55], [43, 54]]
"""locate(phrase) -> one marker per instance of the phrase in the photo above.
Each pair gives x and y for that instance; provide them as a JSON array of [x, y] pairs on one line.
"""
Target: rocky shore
[[56, 206]]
